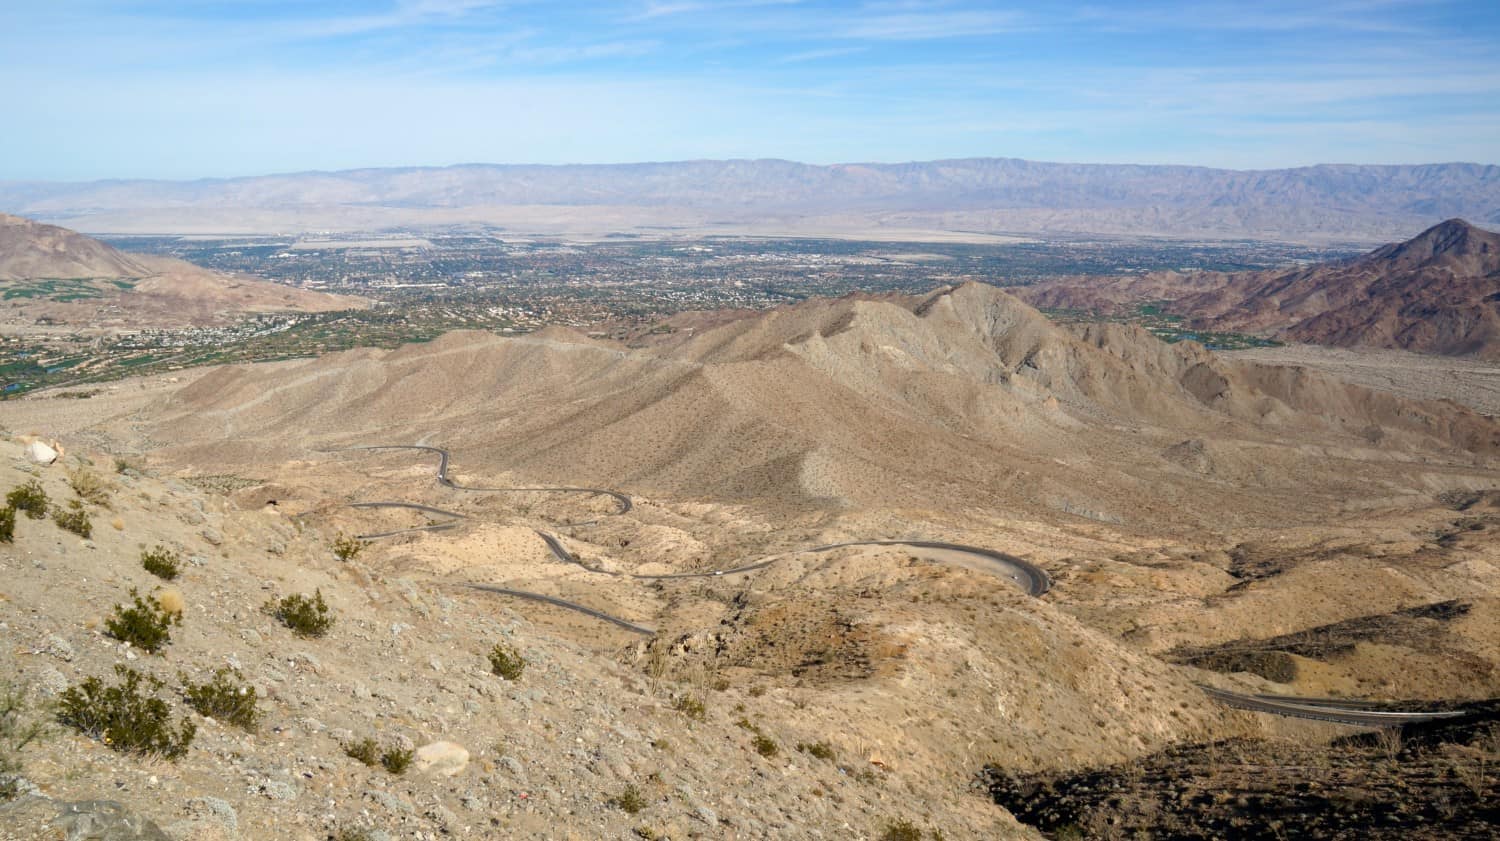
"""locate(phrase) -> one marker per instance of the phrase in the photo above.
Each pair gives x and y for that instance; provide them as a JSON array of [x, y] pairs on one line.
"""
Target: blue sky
[[191, 88]]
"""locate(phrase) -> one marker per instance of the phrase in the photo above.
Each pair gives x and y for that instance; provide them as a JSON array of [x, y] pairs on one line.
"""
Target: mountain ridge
[[983, 195], [1434, 293]]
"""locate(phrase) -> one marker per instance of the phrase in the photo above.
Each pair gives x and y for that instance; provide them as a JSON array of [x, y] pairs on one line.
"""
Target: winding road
[[1029, 577], [1337, 710]]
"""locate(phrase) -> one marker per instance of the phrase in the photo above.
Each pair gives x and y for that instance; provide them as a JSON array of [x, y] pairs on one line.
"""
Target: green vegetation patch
[[127, 717]]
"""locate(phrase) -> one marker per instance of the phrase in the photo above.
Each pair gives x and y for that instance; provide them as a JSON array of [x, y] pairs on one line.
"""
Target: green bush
[[345, 548], [630, 800], [365, 750], [397, 760], [307, 617], [224, 698], [162, 562], [73, 518], [17, 730], [29, 498], [125, 717], [7, 524], [145, 625], [817, 750], [506, 661], [765, 745]]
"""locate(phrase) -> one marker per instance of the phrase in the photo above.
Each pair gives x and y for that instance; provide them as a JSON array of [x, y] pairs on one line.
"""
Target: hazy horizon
[[184, 90]]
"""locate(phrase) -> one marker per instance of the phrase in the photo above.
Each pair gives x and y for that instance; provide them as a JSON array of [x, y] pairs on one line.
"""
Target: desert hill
[[1188, 509], [73, 279], [33, 250], [922, 199], [1435, 293], [964, 397]]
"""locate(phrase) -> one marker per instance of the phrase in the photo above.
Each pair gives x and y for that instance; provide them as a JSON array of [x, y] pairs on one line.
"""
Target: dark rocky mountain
[[1438, 292]]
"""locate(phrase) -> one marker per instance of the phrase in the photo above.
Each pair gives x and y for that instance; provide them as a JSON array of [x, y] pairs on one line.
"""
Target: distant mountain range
[[1436, 293], [966, 197]]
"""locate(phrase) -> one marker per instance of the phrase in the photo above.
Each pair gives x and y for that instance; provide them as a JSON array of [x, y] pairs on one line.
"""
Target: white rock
[[40, 453], [446, 758]]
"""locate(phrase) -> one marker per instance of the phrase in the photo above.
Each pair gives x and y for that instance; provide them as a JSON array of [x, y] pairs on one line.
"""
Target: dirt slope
[[965, 397]]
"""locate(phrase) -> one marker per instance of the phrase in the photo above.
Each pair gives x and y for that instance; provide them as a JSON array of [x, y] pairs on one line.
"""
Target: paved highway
[[442, 476], [1029, 577], [1324, 709]]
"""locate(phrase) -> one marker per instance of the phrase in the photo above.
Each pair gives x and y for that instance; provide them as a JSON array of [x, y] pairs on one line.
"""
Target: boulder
[[39, 453], [446, 758]]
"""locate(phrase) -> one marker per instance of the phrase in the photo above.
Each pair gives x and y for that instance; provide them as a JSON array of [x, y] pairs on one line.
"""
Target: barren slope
[[962, 398], [103, 287]]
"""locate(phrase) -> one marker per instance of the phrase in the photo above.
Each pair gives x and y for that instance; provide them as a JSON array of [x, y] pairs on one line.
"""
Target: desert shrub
[[161, 562], [352, 834], [307, 617], [7, 524], [17, 730], [73, 518], [817, 750], [147, 625], [506, 661], [901, 830], [89, 486], [365, 750], [224, 698], [29, 498], [690, 706], [127, 717], [122, 466], [630, 800], [765, 745], [345, 548], [396, 760]]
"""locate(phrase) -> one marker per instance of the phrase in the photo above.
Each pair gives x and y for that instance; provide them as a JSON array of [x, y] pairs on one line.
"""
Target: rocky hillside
[[32, 250], [578, 731], [59, 275], [1436, 293], [962, 397]]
